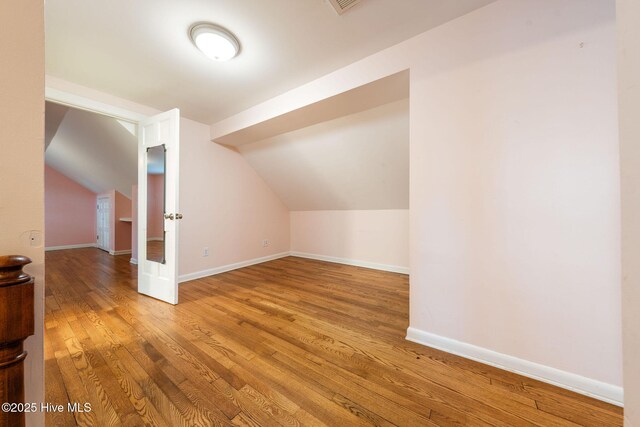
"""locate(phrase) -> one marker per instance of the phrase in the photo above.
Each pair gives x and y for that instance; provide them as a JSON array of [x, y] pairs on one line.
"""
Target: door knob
[[178, 216], [168, 216]]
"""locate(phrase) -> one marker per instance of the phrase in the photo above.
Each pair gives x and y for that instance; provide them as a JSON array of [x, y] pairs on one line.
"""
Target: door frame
[[88, 103], [69, 99]]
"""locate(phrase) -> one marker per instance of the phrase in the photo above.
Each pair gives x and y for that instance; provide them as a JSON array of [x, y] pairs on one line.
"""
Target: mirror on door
[[155, 203]]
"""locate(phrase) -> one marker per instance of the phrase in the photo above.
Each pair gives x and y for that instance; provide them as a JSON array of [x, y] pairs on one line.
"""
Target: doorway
[[103, 226], [120, 171]]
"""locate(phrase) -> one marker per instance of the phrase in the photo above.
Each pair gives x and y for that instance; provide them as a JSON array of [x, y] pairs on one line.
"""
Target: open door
[[158, 217]]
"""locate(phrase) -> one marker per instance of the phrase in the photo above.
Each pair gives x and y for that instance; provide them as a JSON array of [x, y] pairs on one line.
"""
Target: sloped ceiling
[[96, 151], [359, 161], [139, 50], [251, 127], [53, 118]]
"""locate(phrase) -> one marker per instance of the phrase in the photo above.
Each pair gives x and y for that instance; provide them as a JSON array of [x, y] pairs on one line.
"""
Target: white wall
[[373, 238], [227, 207], [515, 229], [628, 16], [22, 171], [346, 183], [515, 187]]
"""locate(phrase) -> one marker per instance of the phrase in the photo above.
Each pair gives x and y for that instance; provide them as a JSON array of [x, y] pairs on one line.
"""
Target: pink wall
[[378, 237], [22, 172], [119, 231], [515, 200], [70, 211], [155, 206], [227, 207], [122, 228], [628, 16]]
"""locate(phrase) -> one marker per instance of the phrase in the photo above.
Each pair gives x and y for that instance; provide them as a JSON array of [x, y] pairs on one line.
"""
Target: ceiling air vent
[[341, 6]]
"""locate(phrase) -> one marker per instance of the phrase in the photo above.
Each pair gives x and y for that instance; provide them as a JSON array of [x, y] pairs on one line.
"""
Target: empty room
[[320, 212]]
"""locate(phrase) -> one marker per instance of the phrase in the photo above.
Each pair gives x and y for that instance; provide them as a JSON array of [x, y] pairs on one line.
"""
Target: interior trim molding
[[589, 387], [123, 252], [133, 261], [81, 102], [356, 263], [224, 268], [81, 245]]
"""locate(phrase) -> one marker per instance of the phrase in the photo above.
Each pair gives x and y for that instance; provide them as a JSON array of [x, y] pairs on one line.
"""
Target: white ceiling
[[360, 161], [139, 50], [96, 151]]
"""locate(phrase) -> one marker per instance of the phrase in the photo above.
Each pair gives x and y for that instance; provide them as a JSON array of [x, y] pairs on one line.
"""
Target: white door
[[103, 223], [158, 217]]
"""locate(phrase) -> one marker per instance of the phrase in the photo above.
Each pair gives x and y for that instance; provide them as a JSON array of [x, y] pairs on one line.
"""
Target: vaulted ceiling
[[139, 50], [54, 115], [96, 151]]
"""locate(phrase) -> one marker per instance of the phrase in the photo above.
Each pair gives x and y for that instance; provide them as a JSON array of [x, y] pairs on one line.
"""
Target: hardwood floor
[[288, 342]]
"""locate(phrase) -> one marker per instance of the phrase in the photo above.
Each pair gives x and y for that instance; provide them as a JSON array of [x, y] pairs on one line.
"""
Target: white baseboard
[[587, 386], [229, 267], [366, 264], [124, 252], [133, 261], [241, 264], [82, 245]]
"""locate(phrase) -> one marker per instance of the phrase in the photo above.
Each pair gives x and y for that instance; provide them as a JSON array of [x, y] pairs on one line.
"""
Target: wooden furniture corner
[[16, 324]]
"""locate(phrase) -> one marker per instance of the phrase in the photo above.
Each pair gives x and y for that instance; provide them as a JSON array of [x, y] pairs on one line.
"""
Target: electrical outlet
[[205, 251], [265, 243]]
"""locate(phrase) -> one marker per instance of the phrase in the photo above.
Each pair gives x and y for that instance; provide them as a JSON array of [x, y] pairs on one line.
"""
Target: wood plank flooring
[[288, 342]]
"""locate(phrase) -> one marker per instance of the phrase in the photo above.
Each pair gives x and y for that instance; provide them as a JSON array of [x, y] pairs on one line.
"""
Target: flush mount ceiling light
[[214, 41]]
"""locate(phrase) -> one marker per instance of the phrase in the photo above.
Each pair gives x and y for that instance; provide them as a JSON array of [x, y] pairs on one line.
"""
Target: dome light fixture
[[214, 41]]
